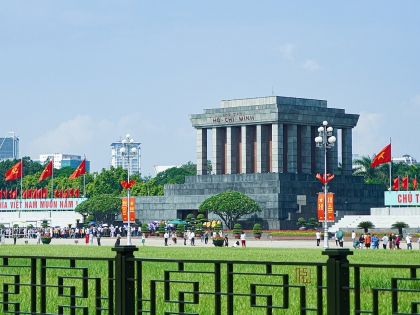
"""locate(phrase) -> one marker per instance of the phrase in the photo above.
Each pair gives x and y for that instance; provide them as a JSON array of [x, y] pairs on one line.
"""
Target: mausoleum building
[[264, 147]]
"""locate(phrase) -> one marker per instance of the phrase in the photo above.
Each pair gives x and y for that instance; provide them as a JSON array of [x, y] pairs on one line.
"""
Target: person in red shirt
[[367, 241]]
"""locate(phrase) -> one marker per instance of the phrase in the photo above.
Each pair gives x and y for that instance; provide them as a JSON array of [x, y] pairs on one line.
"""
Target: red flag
[[47, 172], [5, 194], [405, 182], [66, 193], [39, 193], [45, 193], [396, 185], [71, 192], [10, 194], [76, 192], [414, 181], [15, 172], [60, 193], [1, 194], [14, 194], [80, 170], [24, 194], [29, 193], [34, 193], [384, 156], [56, 193]]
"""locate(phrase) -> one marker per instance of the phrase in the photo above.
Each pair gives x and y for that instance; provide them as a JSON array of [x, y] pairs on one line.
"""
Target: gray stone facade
[[265, 148]]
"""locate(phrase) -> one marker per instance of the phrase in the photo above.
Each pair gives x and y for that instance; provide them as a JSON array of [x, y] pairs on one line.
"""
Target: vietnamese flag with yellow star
[[15, 172], [384, 156], [47, 172], [80, 170]]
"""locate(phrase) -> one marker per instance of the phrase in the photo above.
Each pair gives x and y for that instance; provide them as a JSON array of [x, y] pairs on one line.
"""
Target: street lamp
[[325, 140], [128, 150]]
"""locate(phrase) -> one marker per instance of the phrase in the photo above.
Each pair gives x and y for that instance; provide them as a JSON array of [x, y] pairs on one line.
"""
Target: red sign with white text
[[124, 208], [330, 207]]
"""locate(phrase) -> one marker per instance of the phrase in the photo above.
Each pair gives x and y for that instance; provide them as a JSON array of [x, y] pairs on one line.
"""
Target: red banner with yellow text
[[330, 207], [124, 208]]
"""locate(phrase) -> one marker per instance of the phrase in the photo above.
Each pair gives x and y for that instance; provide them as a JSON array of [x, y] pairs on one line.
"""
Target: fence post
[[124, 290], [338, 299]]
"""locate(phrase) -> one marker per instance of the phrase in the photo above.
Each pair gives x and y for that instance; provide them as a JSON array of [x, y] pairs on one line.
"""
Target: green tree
[[400, 226], [365, 225], [173, 175], [230, 206], [301, 221], [104, 208]]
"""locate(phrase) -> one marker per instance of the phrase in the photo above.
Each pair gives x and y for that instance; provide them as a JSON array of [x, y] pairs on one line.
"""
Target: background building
[[9, 147], [64, 160], [117, 160]]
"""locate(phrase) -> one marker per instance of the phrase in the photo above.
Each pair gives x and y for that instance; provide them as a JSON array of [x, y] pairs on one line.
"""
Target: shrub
[[257, 229], [180, 228], [145, 228], [237, 229], [218, 227], [162, 228]]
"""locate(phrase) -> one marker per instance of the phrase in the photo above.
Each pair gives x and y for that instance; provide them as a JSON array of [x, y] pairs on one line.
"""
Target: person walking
[[397, 241], [166, 236], [318, 237], [98, 237], [353, 236], [206, 238], [38, 237], [362, 241], [143, 239], [243, 237], [226, 241], [192, 237], [384, 241], [408, 241]]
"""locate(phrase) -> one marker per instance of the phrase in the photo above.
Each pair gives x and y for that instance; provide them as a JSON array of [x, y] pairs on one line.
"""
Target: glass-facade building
[[9, 148], [64, 160]]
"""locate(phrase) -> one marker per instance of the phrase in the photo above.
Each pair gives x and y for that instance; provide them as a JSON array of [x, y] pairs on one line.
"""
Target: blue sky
[[78, 75]]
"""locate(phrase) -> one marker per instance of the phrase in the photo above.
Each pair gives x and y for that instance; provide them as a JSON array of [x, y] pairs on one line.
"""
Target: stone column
[[277, 149], [346, 151], [232, 150], [332, 157], [218, 151], [201, 151], [246, 149], [305, 150], [291, 148], [261, 149]]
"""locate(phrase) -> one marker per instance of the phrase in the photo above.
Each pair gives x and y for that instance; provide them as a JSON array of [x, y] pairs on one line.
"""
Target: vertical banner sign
[[124, 210], [320, 207], [330, 207]]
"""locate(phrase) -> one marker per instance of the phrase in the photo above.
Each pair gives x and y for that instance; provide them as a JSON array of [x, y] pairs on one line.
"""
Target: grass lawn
[[246, 274]]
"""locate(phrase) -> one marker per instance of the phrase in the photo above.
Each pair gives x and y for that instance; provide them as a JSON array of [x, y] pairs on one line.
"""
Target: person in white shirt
[[353, 236], [243, 236], [318, 238], [385, 241], [408, 240], [192, 237]]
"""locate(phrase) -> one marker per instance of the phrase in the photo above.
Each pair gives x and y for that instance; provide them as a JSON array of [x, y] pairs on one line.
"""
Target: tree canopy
[[230, 206], [104, 208]]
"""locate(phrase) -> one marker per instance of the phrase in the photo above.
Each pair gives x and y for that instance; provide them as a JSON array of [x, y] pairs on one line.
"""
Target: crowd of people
[[393, 241]]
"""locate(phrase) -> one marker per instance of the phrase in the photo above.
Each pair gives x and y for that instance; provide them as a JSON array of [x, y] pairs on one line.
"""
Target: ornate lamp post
[[325, 140], [128, 150]]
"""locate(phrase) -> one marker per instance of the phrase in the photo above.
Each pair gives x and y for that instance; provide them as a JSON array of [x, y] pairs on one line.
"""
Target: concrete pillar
[[305, 149], [346, 151], [246, 156], [277, 148], [291, 148], [262, 148], [232, 134], [201, 151], [332, 157], [218, 156]]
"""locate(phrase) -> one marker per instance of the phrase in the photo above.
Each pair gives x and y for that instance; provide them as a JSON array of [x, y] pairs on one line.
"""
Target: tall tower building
[[117, 160], [9, 147]]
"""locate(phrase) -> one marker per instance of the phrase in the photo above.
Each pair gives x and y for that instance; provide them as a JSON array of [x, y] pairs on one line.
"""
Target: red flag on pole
[[71, 192], [24, 194], [60, 193], [56, 193], [45, 193], [396, 185], [80, 170], [76, 192], [384, 156], [5, 194], [414, 181], [66, 193], [15, 172], [47, 172], [405, 182], [34, 193], [1, 194]]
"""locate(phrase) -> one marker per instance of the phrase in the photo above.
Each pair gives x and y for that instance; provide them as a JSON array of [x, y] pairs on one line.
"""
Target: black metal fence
[[126, 285]]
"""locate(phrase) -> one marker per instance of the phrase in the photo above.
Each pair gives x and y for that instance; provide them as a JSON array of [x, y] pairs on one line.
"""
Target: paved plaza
[[159, 242]]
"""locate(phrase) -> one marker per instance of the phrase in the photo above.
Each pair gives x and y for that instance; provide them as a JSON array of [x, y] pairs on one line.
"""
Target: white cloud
[[367, 137], [287, 51], [310, 65]]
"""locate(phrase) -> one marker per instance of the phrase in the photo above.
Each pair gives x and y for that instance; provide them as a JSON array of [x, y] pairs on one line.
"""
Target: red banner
[[124, 208], [330, 207]]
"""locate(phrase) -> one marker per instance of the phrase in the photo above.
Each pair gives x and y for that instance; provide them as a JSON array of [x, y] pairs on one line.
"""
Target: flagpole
[[21, 179], [52, 179], [84, 180]]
